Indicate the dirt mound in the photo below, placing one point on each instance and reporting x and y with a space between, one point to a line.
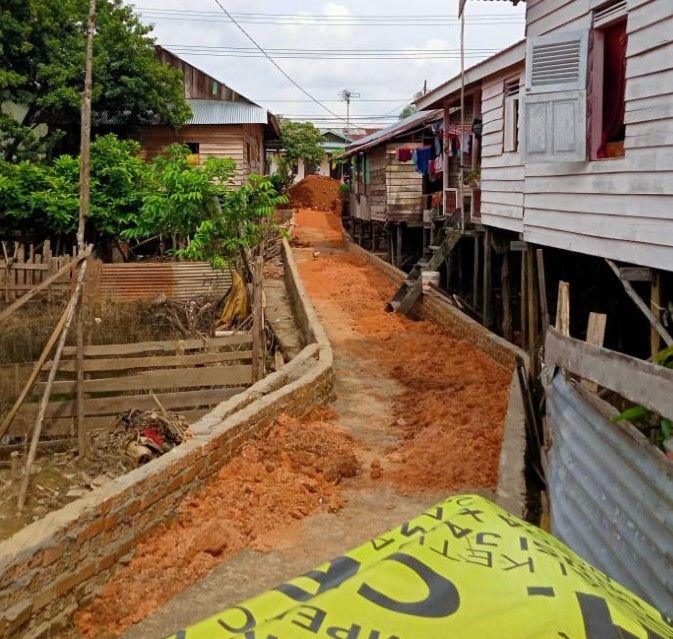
316 192
292 470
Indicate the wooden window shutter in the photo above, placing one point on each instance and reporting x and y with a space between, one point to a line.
554 109
511 116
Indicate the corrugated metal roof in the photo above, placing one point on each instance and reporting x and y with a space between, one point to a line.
222 112
398 128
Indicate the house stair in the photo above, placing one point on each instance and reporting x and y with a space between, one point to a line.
434 255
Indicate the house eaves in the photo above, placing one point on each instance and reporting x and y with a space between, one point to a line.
418 119
516 54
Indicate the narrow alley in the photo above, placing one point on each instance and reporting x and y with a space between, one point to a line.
421 411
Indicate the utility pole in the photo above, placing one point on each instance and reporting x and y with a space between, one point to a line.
84 199
346 95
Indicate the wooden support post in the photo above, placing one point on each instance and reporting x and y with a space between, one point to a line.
542 289
655 307
632 293
506 298
257 321
475 273
563 309
595 337
532 303
523 301
399 246
488 293
70 312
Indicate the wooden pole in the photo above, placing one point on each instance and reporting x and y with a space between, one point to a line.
475 273
524 301
399 246
532 303
70 312
631 292
9 417
506 298
655 307
461 169
487 279
542 287
257 321
84 204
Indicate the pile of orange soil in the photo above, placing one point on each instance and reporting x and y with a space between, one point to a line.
291 471
451 412
315 192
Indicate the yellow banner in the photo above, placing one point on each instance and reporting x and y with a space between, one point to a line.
465 569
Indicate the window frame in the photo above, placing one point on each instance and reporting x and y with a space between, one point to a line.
516 99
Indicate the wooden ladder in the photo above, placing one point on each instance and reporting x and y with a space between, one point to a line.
434 255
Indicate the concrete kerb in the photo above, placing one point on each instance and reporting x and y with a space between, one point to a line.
78 547
511 488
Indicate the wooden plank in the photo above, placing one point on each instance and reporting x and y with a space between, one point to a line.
115 405
563 308
639 381
655 307
636 274
595 336
138 348
154 362
237 375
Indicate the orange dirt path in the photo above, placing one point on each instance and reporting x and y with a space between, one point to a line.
451 411
281 477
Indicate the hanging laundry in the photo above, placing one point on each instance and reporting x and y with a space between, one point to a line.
438 145
423 156
466 142
403 154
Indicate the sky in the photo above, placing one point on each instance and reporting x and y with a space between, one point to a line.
384 85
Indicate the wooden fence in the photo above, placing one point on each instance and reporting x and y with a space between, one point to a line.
187 376
22 268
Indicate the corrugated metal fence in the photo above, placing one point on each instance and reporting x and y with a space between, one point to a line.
611 495
176 280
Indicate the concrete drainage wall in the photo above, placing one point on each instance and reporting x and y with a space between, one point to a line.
511 488
58 564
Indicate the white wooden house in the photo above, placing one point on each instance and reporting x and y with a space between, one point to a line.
577 143
600 70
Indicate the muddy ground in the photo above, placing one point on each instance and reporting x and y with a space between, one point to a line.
418 414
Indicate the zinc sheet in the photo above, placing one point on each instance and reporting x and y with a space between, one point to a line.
176 280
611 495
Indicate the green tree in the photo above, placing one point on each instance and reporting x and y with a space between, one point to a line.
300 140
42 49
178 194
236 224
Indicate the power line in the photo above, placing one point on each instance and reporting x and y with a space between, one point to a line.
425 20
275 64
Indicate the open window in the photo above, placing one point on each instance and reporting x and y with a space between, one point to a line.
554 107
608 81
511 116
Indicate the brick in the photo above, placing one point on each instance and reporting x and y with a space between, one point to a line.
50 555
17 616
44 597
92 529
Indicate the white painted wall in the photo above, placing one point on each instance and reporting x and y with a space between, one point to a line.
502 174
619 208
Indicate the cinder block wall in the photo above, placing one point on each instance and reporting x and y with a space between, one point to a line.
58 564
